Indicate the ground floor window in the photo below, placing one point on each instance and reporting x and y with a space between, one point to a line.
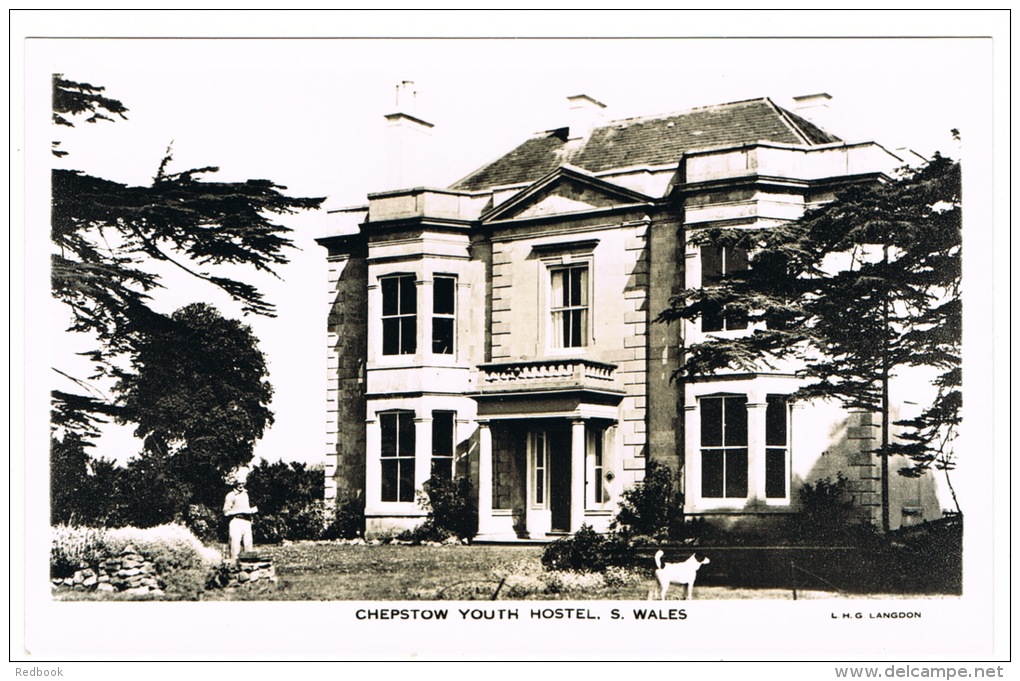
596 470
724 447
443 443
736 463
397 455
776 446
540 470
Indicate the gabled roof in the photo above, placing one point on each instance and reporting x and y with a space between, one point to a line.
653 140
565 189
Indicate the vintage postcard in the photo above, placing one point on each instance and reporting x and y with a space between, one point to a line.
356 342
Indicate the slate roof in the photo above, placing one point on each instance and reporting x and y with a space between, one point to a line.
654 140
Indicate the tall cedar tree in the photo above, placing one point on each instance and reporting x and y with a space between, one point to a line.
104 233
855 291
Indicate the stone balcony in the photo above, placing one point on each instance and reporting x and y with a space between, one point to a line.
548 375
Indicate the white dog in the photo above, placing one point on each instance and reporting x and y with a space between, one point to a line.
677 573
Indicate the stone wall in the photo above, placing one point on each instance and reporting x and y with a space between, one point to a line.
248 570
130 573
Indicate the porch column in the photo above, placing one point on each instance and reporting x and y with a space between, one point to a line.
577 450
484 478
756 450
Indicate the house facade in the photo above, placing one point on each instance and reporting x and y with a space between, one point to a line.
504 329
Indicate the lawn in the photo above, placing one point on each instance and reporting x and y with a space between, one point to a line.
332 571
325 571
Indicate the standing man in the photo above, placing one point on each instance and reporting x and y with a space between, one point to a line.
239 511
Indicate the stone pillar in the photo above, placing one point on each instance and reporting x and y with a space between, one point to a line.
577 451
484 478
756 451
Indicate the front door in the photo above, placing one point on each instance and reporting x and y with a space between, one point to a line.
559 479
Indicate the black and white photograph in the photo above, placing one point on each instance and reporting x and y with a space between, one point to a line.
466 336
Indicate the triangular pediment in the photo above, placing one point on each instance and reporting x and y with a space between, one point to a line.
566 190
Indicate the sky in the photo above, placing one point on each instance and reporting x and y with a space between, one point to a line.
308 114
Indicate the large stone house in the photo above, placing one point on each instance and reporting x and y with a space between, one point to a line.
503 328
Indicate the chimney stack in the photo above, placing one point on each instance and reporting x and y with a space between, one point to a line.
408 149
586 113
814 107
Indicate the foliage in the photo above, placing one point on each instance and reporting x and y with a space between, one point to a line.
854 290
71 99
170 547
828 512
107 235
72 546
83 489
451 508
348 521
152 492
197 388
185 585
651 507
424 533
289 499
206 523
586 551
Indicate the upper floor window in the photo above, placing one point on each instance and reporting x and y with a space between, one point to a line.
444 314
399 315
569 306
716 263
397 455
724 447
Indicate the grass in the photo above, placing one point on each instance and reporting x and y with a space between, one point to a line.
325 571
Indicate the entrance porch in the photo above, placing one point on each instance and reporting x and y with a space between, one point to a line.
547 441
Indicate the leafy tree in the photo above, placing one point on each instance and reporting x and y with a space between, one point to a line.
106 236
197 391
152 493
855 290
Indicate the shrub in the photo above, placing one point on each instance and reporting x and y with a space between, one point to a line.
73 546
207 524
586 551
348 520
186 585
522 579
169 547
651 507
289 499
827 511
450 506
428 531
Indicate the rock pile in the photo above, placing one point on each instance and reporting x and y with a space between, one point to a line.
131 573
249 569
